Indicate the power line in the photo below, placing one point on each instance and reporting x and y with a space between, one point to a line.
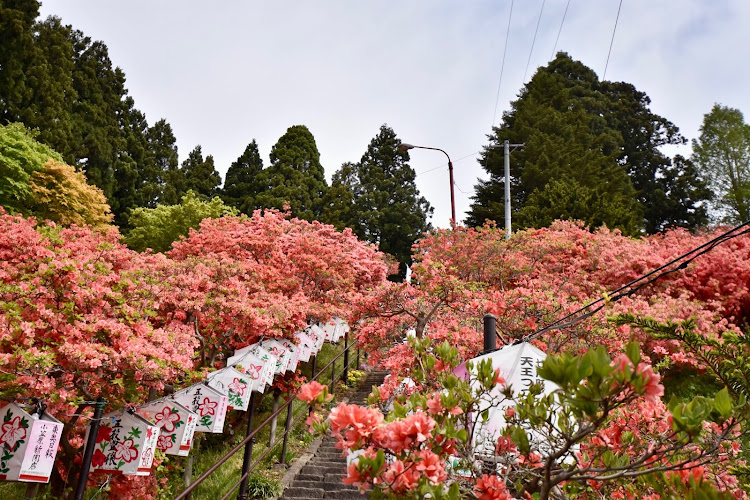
612 41
444 164
502 67
635 285
539 21
560 30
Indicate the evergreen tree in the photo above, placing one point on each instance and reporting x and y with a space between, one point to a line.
591 153
200 175
378 198
723 152
295 176
168 180
56 80
241 183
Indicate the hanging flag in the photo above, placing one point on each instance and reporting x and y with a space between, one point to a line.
210 405
294 351
307 345
252 366
28 443
233 384
175 422
316 333
277 349
518 366
125 444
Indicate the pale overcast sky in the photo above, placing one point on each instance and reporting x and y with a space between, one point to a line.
223 73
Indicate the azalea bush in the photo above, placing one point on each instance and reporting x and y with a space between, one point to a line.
540 275
83 316
604 432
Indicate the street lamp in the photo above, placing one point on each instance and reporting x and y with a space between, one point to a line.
407 147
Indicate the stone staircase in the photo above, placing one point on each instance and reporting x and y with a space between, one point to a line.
318 472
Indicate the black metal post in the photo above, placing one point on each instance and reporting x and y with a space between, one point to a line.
247 458
286 431
490 332
88 453
346 357
312 372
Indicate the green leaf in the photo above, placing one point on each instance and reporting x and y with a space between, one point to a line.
723 403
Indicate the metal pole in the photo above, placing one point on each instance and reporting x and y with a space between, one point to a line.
453 198
490 332
312 371
286 432
346 357
89 451
248 449
506 152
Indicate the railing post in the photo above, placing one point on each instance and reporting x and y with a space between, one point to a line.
89 451
247 458
490 332
286 431
346 357
312 371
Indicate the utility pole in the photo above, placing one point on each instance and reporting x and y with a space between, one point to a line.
506 154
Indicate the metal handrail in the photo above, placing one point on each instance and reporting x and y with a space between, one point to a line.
251 436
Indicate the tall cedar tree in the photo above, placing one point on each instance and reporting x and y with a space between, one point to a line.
60 82
723 152
295 178
591 153
200 176
378 198
241 185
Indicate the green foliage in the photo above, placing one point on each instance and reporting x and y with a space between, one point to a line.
200 176
263 487
241 183
157 228
379 200
727 359
591 153
295 178
723 152
20 156
58 81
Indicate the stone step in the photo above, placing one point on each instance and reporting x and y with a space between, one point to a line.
293 492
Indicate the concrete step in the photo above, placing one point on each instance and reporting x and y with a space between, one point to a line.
293 492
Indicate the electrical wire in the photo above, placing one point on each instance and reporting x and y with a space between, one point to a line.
635 285
502 67
539 21
445 164
560 30
612 41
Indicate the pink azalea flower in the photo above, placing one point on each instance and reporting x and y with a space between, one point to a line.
12 432
653 389
125 451
166 419
491 487
431 466
310 392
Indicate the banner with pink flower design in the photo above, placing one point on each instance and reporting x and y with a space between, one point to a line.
307 346
28 444
254 367
210 405
176 425
294 352
316 333
125 444
234 384
277 349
